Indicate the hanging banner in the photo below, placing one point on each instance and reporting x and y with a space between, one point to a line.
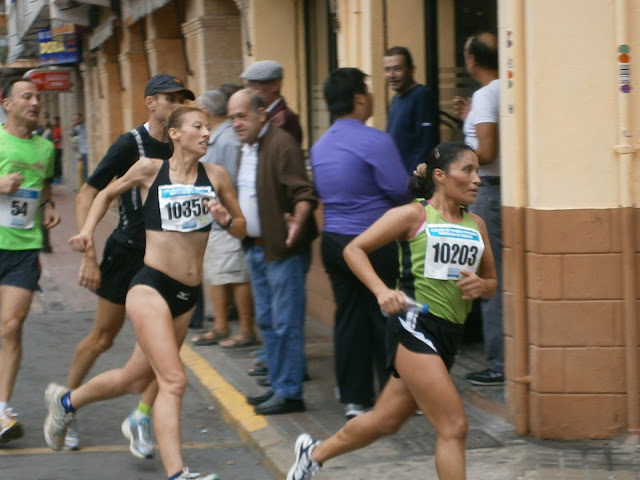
58 49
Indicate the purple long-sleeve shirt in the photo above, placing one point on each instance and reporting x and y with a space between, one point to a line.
359 174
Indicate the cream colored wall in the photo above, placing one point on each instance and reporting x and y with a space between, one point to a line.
569 74
361 44
276 33
405 27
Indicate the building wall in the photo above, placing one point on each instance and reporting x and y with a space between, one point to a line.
570 229
201 45
282 21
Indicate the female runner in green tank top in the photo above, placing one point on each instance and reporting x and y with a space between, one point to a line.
445 262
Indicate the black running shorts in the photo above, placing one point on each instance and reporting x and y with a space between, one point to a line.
120 264
429 334
20 268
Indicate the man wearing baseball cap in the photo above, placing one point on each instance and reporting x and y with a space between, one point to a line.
165 83
265 78
124 250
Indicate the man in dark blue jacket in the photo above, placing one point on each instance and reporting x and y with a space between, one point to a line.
413 114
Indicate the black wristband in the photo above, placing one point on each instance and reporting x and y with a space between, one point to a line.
48 200
228 224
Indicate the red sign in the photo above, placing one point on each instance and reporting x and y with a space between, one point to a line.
51 80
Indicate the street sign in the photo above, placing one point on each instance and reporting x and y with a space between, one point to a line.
50 80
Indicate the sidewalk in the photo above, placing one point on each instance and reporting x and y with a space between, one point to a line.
493 450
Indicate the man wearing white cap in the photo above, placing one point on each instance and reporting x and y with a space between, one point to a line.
265 79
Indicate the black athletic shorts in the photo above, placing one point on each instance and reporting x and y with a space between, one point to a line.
428 334
20 268
180 297
120 263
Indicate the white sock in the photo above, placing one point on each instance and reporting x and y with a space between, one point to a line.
3 406
138 415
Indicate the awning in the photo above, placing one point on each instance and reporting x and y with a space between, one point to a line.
100 3
25 19
134 10
67 11
101 33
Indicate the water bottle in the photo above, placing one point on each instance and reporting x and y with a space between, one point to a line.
416 308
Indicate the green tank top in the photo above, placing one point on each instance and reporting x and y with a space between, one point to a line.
431 261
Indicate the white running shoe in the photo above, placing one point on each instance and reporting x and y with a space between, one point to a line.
138 432
57 421
10 426
352 410
304 467
187 475
71 439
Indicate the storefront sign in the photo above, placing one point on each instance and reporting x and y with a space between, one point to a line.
58 49
50 80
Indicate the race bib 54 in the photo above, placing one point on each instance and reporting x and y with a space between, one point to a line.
18 209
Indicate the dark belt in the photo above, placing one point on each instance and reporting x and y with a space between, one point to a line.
248 242
490 181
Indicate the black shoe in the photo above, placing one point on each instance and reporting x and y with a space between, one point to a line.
263 381
258 371
260 398
277 405
486 377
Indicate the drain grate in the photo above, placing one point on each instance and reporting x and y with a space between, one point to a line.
425 443
477 438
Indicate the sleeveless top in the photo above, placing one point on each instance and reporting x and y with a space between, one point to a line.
179 207
431 261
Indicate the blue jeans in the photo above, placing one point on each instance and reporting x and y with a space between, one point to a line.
280 303
488 206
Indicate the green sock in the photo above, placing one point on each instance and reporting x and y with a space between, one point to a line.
143 410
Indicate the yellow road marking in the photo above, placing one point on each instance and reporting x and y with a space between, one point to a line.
113 448
231 399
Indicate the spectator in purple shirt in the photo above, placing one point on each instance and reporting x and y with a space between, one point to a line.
359 174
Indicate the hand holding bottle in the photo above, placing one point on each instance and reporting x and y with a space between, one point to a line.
395 301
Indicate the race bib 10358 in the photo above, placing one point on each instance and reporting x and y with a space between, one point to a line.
182 208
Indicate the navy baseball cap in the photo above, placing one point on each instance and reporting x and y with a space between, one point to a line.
165 83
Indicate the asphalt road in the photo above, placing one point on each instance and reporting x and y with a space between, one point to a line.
209 444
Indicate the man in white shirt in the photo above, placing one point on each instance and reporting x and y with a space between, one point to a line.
481 133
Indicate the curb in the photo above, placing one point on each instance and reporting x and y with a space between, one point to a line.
253 429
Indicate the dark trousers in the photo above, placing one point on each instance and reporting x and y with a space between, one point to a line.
359 331
57 166
198 314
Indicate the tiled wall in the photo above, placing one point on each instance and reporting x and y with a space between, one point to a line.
575 324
